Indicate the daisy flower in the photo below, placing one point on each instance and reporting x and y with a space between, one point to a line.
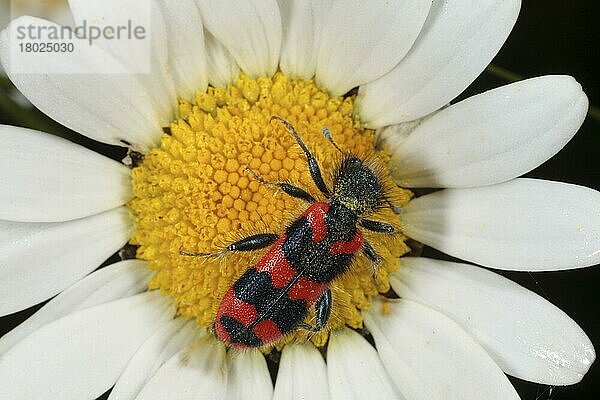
380 76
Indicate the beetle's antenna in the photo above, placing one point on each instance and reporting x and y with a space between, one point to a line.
294 133
313 166
327 134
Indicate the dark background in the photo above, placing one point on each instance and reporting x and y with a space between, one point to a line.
550 37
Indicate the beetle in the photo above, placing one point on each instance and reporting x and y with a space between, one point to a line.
273 297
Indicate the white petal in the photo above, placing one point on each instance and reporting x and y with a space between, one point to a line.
458 40
54 11
81 355
248 376
222 68
302 374
39 260
363 40
526 335
524 224
430 357
158 79
302 23
160 347
44 178
355 370
111 108
187 54
489 138
195 373
249 29
119 280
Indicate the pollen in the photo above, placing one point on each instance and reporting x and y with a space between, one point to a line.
194 194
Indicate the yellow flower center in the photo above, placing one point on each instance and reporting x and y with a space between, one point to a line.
193 193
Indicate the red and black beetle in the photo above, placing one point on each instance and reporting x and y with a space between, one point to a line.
274 296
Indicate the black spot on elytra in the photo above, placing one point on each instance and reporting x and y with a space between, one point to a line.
239 333
256 288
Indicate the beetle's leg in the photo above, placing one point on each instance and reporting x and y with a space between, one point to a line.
287 188
396 209
313 166
322 312
372 255
377 226
250 243
323 309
